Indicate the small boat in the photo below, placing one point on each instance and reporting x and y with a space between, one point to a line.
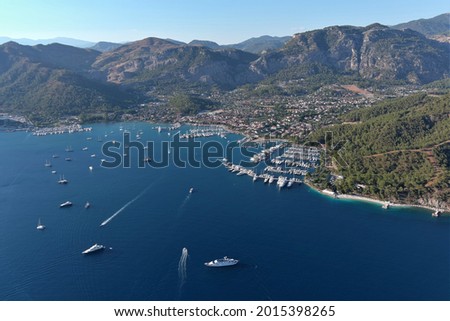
87 205
68 159
191 190
290 183
222 262
94 248
84 149
93 155
48 164
69 149
62 180
436 213
281 181
66 204
40 226
55 156
53 172
91 168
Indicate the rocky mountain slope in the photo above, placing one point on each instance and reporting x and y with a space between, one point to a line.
153 62
439 25
374 52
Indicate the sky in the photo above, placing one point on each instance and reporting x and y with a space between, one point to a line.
224 22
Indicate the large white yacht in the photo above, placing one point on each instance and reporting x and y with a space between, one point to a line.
222 262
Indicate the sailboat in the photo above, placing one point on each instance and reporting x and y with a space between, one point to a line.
62 180
40 226
47 164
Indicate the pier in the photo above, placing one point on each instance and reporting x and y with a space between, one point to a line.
290 167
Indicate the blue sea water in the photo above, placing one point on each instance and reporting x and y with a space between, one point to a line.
292 244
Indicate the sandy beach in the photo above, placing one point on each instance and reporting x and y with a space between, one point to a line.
368 199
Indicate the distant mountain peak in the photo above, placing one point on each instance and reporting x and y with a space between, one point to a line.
376 25
261 44
153 42
439 25
204 43
104 46
62 40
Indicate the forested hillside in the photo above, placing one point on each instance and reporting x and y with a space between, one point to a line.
396 150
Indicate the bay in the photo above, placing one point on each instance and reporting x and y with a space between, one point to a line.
292 244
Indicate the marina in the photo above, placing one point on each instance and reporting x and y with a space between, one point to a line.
205 131
289 168
65 129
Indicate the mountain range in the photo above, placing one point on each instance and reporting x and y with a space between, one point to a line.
62 40
49 81
439 25
253 45
433 28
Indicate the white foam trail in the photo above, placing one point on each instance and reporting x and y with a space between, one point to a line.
182 267
124 207
185 201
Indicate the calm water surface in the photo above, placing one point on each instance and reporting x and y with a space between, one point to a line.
292 244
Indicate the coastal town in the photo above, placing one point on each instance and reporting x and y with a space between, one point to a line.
290 117
279 116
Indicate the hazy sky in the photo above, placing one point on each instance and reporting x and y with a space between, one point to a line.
217 20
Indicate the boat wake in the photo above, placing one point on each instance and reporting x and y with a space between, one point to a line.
125 206
182 267
183 204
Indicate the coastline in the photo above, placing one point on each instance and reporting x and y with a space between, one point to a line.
342 196
224 127
310 185
370 200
